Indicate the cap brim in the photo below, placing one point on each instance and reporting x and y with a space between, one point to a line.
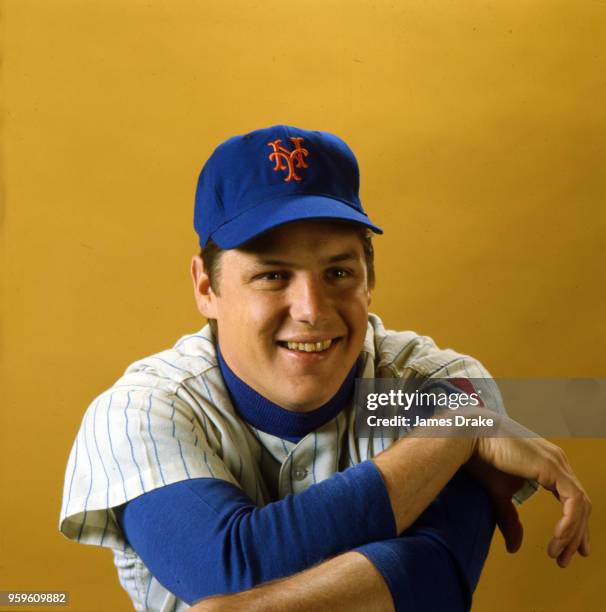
274 213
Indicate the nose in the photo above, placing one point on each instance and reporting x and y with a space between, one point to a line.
309 300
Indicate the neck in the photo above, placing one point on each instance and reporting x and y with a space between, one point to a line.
276 420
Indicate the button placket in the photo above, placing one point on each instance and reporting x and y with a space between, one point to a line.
296 469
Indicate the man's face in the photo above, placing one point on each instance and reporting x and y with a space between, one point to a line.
305 290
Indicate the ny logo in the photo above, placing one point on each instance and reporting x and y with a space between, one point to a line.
288 160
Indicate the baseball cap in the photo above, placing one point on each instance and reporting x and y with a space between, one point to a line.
269 177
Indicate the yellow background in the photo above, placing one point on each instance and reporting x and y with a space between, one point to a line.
480 130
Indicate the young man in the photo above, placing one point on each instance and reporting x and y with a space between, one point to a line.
233 459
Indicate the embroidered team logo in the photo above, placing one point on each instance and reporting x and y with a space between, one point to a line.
288 160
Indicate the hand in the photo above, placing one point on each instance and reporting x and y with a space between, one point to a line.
501 487
538 459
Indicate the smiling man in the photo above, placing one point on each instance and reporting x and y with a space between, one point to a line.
293 311
229 471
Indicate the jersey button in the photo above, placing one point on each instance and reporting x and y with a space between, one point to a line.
299 473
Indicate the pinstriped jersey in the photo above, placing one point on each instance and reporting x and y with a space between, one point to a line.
170 418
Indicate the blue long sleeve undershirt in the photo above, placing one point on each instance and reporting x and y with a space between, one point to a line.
220 542
436 564
205 536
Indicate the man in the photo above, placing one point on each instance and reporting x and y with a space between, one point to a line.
233 459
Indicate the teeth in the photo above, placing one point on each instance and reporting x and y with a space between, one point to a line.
309 347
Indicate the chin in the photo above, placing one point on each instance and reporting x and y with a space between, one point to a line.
307 402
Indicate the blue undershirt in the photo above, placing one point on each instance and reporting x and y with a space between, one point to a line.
220 542
275 420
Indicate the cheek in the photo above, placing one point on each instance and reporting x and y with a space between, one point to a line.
357 313
260 316
358 300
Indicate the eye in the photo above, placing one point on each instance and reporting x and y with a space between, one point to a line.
273 276
339 273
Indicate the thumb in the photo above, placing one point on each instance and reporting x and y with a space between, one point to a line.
509 523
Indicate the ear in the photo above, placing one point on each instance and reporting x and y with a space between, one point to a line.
203 293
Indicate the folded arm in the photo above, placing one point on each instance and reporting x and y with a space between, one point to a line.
435 565
206 551
413 472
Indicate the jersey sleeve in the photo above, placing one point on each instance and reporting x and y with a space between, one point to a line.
132 439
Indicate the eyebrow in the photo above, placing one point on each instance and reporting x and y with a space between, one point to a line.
346 256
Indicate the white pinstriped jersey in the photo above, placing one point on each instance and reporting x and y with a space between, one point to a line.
170 418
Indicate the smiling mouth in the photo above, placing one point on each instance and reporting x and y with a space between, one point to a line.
309 347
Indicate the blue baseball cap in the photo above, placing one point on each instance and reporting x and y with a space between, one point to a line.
258 181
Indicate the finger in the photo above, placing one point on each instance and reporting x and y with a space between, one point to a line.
509 524
573 512
566 531
555 547
571 543
565 557
585 548
564 553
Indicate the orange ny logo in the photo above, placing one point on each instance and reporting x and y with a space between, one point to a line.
288 160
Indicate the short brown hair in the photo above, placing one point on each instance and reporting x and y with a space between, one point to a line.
211 256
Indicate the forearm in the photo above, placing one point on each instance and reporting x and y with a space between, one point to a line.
415 470
205 536
346 583
435 565
220 542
